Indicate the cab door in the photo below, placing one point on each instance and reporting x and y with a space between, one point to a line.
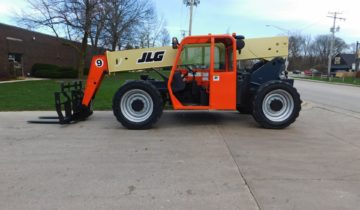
222 74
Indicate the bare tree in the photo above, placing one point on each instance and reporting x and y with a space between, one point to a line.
296 50
70 18
321 47
154 33
165 37
306 45
98 25
296 45
79 14
123 16
41 13
305 52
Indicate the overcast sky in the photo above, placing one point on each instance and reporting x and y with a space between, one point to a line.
246 17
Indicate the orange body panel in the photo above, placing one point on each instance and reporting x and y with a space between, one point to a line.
223 91
176 103
98 67
221 84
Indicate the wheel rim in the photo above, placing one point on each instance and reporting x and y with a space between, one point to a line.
278 105
136 105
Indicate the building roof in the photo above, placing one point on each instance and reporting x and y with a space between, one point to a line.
348 58
30 34
22 30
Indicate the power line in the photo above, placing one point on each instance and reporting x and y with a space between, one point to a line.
309 25
333 29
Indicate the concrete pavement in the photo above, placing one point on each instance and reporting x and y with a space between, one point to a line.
190 160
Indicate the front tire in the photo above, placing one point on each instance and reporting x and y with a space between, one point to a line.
244 109
137 105
276 105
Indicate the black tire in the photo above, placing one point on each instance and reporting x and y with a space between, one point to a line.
284 105
148 100
244 109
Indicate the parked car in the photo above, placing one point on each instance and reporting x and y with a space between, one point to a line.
312 72
296 72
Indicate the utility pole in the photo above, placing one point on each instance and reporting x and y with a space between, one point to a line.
191 4
333 30
357 57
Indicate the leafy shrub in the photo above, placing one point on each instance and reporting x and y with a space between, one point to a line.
53 71
86 71
41 66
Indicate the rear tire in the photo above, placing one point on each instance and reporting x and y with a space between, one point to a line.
276 105
137 105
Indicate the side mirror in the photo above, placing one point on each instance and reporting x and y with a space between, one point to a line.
175 43
240 44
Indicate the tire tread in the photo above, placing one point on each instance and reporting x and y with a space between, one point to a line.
152 91
257 103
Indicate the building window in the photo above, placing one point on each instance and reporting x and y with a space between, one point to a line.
15 64
337 60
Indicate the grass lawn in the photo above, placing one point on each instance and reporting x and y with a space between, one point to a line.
39 95
345 80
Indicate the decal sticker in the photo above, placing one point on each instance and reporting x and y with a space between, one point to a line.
216 78
149 57
99 63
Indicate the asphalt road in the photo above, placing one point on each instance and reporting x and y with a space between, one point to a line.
189 160
337 96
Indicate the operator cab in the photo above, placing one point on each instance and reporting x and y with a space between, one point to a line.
191 79
204 76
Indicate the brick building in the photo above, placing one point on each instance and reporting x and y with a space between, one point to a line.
20 49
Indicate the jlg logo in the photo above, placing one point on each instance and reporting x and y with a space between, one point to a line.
148 57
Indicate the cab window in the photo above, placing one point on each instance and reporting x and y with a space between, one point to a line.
223 56
197 55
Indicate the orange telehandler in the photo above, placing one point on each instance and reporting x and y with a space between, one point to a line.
206 74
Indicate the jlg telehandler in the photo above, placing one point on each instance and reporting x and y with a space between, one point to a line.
205 75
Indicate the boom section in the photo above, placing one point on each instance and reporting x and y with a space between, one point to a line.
137 59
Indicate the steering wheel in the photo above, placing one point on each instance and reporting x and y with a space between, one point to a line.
189 69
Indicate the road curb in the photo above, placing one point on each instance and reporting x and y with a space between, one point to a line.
330 83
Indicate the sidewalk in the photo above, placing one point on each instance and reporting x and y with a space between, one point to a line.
24 80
